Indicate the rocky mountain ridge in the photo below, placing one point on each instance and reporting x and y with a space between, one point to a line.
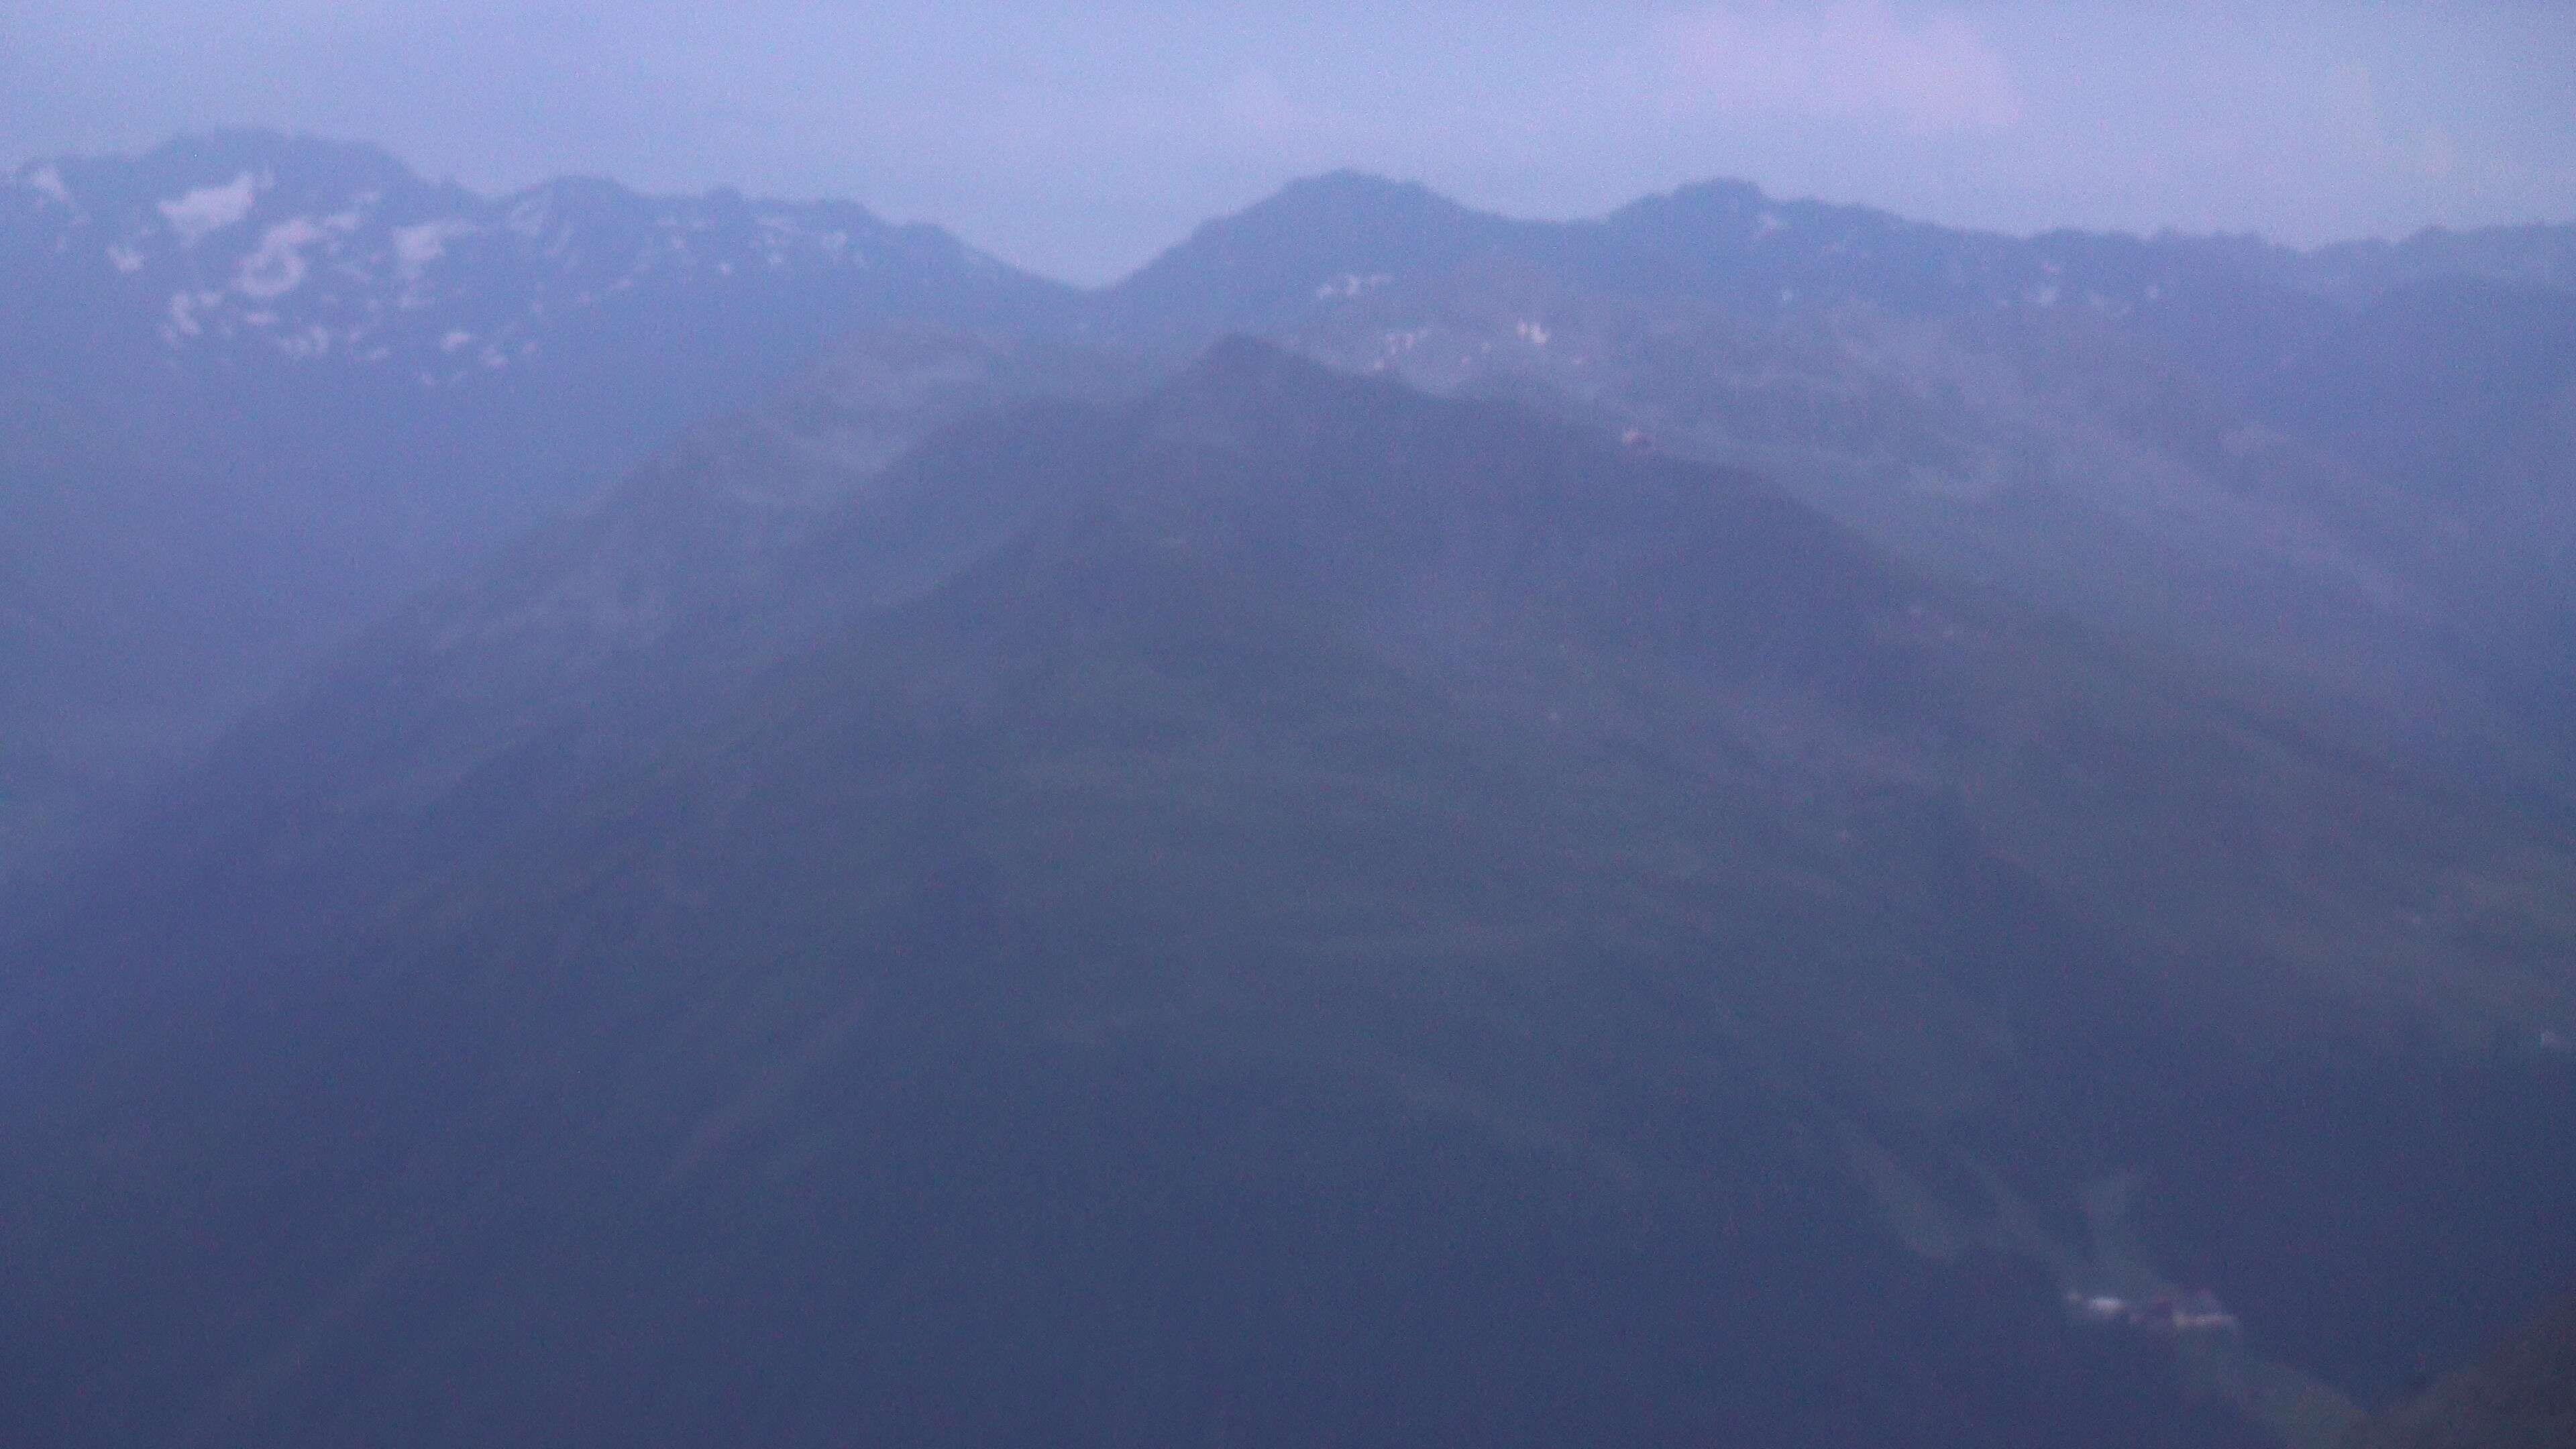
2349 495
254 390
1340 856
243 246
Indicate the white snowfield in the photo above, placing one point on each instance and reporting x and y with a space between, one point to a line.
2195 1311
198 214
46 180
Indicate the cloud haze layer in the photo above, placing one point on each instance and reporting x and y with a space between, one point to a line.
1847 62
1079 143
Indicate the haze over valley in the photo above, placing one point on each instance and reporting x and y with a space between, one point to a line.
709 820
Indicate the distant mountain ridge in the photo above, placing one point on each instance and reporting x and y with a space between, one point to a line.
2537 254
2166 436
1348 231
255 388
312 249
236 245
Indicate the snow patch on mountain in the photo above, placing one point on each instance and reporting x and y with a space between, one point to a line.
1349 284
277 266
198 214
529 217
310 342
415 247
183 320
46 180
777 235
276 254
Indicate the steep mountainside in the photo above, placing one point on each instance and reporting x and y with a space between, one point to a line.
1284 911
253 390
252 248
2164 436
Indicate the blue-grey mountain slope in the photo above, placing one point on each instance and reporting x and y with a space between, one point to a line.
2160 435
1284 910
255 389
1853 780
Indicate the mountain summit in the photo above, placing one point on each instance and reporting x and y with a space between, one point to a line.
705 820
260 247
255 388
1282 908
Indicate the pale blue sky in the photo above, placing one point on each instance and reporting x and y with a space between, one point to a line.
1079 142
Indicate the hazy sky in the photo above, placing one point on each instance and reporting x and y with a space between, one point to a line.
1079 142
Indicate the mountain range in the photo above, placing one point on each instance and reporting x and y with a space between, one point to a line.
254 390
262 387
2223 448
1676 829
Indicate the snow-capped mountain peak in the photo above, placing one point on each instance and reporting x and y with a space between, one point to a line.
247 245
